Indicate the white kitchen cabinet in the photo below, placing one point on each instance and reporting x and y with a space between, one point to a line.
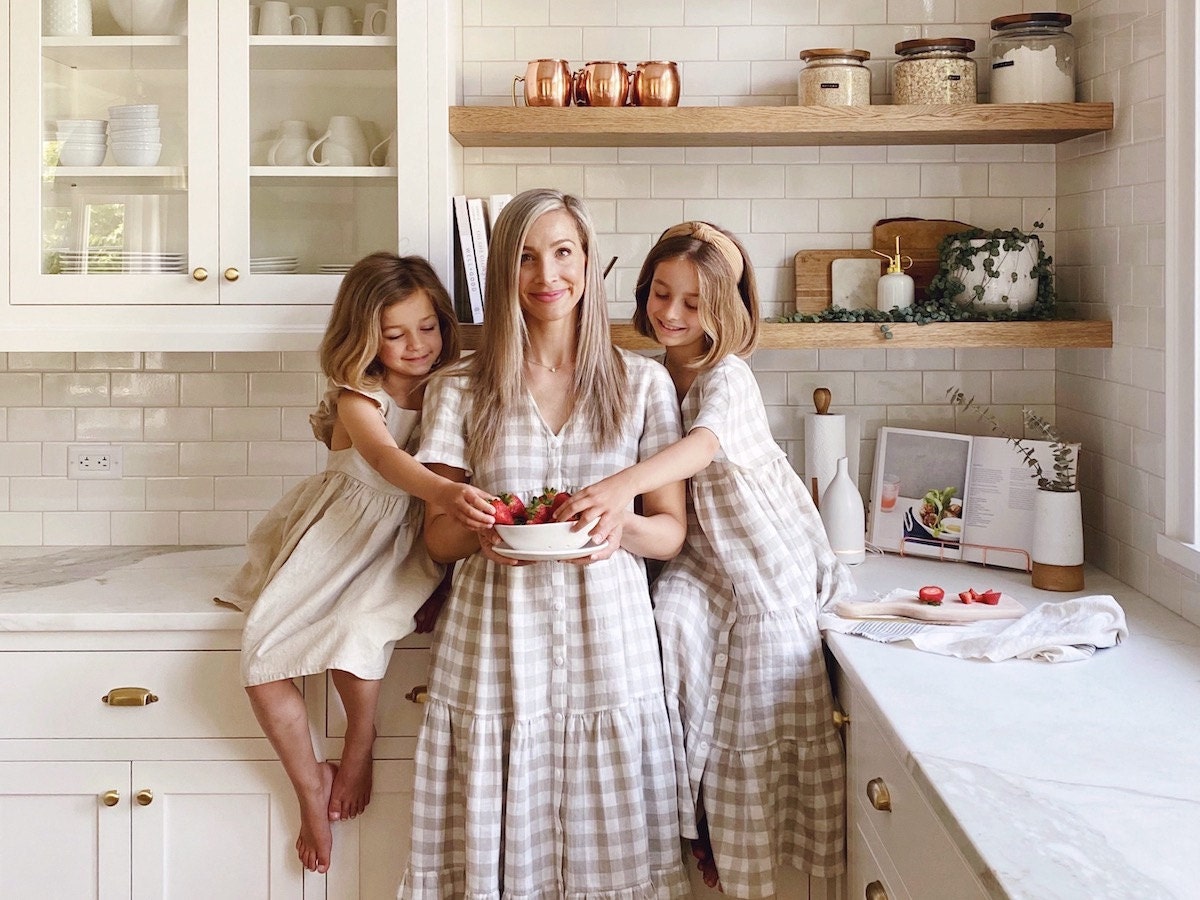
897 849
159 256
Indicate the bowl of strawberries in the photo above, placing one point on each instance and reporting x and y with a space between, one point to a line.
530 526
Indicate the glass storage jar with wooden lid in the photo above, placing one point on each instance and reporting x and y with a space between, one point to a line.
834 77
1033 59
934 70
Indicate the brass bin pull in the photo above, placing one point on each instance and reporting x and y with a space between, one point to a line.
110 798
231 274
419 694
144 797
200 273
879 795
875 891
129 696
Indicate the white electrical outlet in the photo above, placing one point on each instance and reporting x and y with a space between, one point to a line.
94 461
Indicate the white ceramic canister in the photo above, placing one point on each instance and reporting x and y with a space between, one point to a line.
844 516
1057 546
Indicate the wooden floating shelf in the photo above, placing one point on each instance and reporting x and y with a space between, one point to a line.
730 126
905 336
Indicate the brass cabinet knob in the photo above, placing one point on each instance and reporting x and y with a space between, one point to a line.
419 694
200 273
110 798
839 718
875 891
231 274
879 795
129 696
144 797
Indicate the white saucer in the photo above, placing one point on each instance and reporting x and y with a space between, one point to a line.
536 555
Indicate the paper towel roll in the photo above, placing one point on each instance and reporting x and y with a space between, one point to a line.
824 445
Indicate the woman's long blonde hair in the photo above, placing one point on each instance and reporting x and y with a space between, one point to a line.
496 369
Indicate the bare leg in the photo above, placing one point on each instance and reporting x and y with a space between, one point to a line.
352 787
279 707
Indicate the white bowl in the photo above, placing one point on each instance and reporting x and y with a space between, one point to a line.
133 110
135 135
80 155
136 154
148 16
80 140
82 126
549 536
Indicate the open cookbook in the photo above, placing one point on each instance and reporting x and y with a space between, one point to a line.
954 496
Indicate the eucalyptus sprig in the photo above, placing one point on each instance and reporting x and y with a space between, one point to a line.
1064 475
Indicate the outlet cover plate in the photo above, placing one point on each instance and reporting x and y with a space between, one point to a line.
94 461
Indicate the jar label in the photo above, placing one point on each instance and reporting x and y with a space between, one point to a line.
830 85
1004 64
954 78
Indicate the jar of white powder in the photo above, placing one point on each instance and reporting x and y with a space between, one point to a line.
833 77
1033 59
934 70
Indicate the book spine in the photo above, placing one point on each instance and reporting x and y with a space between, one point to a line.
467 258
479 238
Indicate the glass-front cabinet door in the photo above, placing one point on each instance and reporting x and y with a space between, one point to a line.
169 153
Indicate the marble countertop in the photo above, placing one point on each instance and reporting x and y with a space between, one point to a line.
1056 780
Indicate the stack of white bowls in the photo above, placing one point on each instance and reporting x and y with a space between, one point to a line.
81 141
134 134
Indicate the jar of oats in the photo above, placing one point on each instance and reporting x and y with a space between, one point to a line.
833 77
934 70
1033 59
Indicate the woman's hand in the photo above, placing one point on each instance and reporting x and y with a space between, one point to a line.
614 544
607 501
488 539
467 505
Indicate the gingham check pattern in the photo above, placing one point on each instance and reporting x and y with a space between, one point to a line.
544 765
747 688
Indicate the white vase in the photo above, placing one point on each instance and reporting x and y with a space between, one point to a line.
844 516
1057 548
1013 289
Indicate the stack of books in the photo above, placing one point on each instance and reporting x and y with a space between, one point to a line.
473 217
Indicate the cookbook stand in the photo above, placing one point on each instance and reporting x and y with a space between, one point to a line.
983 549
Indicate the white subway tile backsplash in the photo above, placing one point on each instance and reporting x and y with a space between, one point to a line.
686 43
20 388
216 389
285 389
177 424
124 493
696 181
201 528
252 492
718 12
41 362
620 43
108 425
145 529
282 458
179 493
108 362
213 458
41 494
144 389
556 42
76 389
74 529
513 12
43 423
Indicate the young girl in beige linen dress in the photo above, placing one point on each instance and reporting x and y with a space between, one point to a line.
544 767
747 688
337 569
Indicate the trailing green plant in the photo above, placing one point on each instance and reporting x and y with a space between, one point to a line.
1064 475
956 253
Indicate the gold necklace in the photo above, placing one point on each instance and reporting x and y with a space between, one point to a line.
550 369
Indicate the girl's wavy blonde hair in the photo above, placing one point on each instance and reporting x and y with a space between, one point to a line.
350 348
496 371
728 310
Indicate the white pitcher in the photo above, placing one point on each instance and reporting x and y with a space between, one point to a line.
342 144
389 158
290 147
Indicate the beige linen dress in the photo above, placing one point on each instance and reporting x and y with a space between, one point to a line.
747 688
336 569
544 767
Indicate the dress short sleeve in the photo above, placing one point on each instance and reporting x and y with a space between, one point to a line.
661 425
444 417
717 390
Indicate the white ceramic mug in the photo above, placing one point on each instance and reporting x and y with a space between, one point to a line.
275 17
66 18
390 157
290 147
375 20
311 23
342 144
338 20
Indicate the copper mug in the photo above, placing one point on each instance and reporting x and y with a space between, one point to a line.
602 83
655 83
548 82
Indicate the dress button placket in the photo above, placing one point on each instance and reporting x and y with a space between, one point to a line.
720 666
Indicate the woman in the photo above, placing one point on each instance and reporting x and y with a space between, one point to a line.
544 765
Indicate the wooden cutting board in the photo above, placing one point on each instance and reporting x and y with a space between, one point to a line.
952 610
814 276
919 239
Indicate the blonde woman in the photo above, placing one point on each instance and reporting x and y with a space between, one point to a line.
544 765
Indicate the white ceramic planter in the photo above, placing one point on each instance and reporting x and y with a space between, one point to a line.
1057 549
1003 292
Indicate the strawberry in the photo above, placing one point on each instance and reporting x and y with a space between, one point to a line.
541 508
559 499
990 597
509 509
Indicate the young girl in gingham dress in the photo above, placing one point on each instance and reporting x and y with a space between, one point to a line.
544 767
747 689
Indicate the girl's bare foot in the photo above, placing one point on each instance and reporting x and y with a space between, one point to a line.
315 843
352 787
702 851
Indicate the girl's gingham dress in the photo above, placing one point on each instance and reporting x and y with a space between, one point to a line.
747 689
544 768
336 569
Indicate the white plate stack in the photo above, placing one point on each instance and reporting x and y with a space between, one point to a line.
124 262
334 268
81 142
273 265
134 134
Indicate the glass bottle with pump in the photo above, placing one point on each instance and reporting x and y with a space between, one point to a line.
895 288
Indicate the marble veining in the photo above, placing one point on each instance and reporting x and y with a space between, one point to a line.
75 564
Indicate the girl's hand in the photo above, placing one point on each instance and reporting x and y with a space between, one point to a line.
607 500
614 544
467 505
488 539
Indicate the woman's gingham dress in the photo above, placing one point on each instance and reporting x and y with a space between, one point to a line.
544 768
746 683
